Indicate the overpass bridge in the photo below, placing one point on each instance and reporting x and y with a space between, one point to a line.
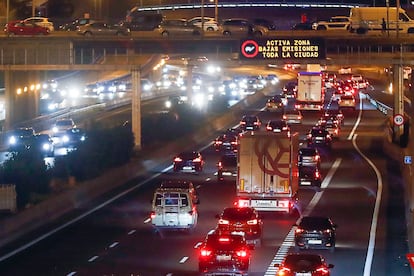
24 59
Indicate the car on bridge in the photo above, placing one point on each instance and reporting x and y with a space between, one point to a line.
210 24
102 29
334 23
242 27
178 27
40 21
22 28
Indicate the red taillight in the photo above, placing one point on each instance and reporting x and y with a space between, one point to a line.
317 175
327 231
269 128
283 271
219 164
242 123
299 230
242 253
322 271
152 215
178 159
219 142
197 159
284 117
252 222
205 252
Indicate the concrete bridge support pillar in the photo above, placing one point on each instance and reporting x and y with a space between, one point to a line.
398 92
21 97
136 106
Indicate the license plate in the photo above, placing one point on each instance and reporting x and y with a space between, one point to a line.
319 138
303 274
263 203
315 242
305 183
223 258
187 168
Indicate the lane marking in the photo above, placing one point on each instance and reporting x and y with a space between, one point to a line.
93 259
114 245
72 273
132 232
374 222
183 260
351 134
289 240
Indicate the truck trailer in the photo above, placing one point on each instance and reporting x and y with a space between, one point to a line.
370 19
311 90
267 177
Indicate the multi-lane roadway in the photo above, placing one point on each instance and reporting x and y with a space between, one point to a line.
362 193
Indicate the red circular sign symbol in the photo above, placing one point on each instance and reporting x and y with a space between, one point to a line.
398 119
250 48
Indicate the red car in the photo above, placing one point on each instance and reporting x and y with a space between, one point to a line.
22 28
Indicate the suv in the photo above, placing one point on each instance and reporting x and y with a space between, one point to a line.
226 142
310 176
334 23
250 122
315 232
224 252
242 27
319 136
174 207
242 219
19 138
309 157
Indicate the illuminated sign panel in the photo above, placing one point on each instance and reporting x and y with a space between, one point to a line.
283 48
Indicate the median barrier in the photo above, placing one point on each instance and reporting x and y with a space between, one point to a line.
30 219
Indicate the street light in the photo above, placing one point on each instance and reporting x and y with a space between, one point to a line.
215 9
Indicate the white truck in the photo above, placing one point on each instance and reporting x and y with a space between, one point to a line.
267 176
370 19
311 91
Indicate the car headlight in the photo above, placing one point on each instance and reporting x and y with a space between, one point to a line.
46 146
12 140
55 129
65 139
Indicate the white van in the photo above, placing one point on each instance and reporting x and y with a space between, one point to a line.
364 19
174 207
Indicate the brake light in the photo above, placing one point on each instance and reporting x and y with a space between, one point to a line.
252 222
256 123
317 175
219 164
283 271
178 159
322 271
327 231
269 128
197 159
224 239
223 221
242 123
300 117
242 253
284 117
219 142
152 215
205 252
299 230
317 157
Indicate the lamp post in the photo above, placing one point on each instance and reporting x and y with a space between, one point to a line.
215 9
7 10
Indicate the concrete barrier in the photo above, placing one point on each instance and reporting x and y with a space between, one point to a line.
14 227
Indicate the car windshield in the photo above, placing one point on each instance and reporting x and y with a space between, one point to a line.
307 152
188 155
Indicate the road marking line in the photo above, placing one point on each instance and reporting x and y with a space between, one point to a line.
374 222
147 220
93 259
351 134
72 273
114 245
183 260
289 239
132 232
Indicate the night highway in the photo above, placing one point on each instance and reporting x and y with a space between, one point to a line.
361 190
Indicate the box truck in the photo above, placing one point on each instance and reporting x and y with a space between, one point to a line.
267 177
311 90
370 19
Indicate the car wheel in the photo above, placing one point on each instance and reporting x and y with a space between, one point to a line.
321 28
196 33
227 33
165 34
87 34
210 29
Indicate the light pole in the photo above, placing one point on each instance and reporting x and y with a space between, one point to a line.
7 10
215 9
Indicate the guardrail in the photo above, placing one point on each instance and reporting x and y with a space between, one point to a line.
383 108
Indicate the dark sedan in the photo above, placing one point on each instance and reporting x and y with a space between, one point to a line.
188 161
304 264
